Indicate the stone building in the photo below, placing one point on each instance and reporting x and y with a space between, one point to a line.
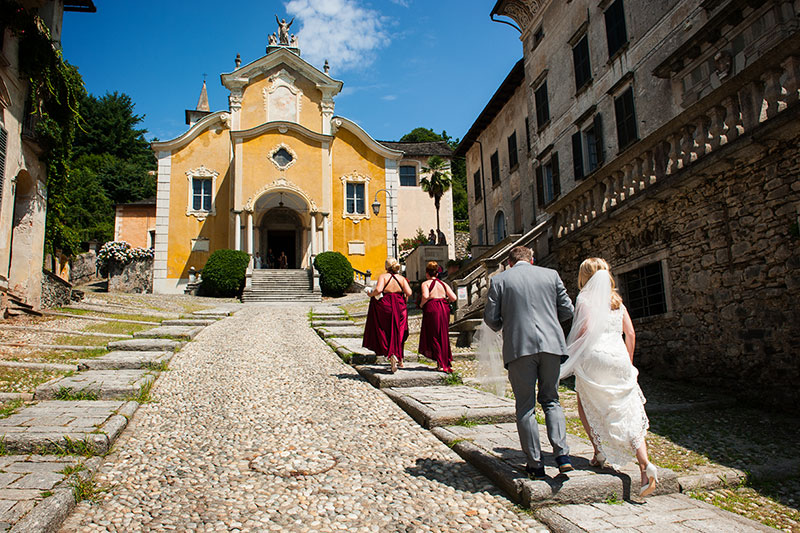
23 176
278 171
664 139
135 223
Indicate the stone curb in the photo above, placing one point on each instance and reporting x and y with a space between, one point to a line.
47 391
428 418
38 366
185 333
711 480
555 522
66 347
189 322
146 345
26 396
101 319
50 513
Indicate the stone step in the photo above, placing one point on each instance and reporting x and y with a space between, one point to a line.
350 349
443 405
413 375
276 298
189 322
120 360
173 332
673 512
44 427
340 331
331 323
327 310
145 345
215 312
324 317
495 451
106 384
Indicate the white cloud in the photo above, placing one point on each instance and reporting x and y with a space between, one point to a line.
389 97
404 3
345 33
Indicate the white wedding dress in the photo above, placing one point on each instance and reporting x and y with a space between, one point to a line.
606 381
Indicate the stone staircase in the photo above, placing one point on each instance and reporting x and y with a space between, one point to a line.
275 285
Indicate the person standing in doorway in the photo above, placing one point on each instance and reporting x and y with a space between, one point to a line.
283 261
270 259
528 303
257 261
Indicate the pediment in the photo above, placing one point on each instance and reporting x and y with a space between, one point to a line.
247 74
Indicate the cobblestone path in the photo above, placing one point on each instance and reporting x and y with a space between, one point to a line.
259 427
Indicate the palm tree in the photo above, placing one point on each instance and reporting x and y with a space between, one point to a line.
437 182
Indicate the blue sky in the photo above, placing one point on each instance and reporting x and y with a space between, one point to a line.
404 63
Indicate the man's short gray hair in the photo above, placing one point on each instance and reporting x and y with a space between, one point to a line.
520 253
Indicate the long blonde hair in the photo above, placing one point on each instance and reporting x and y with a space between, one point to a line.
587 270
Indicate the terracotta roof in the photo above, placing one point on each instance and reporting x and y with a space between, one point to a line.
497 102
440 148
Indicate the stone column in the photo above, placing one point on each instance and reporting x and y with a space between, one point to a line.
237 230
250 232
325 233
313 236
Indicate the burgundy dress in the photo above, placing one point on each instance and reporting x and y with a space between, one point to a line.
434 338
386 329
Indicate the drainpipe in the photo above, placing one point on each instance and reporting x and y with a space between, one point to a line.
484 191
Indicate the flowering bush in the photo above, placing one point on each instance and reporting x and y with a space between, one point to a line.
122 252
409 245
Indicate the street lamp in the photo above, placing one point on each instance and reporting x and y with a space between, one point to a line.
376 208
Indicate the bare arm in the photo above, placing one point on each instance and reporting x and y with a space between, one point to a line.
426 293
406 288
378 286
630 334
451 296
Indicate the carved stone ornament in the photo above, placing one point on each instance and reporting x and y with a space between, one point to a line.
282 99
335 125
225 119
235 99
522 11
278 156
281 185
723 62
202 172
355 177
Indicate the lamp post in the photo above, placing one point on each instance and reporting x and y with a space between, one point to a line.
376 208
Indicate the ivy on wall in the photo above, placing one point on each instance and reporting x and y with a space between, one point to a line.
56 88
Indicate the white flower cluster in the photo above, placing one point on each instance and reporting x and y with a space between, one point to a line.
122 252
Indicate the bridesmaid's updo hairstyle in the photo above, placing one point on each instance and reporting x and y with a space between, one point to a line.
587 270
432 268
392 266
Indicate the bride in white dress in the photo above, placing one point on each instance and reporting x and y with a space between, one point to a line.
610 402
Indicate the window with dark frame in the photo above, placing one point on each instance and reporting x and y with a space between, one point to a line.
355 199
538 36
587 148
201 194
516 209
644 292
548 181
542 106
626 119
616 33
528 133
408 176
513 158
580 59
494 162
476 185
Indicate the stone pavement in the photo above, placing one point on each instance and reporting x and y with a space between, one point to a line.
662 514
258 426
125 360
441 405
105 384
411 375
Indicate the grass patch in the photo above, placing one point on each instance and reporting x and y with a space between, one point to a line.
161 366
9 408
575 427
79 340
346 357
143 395
46 493
25 379
68 394
466 422
614 499
454 442
71 469
453 378
86 488
69 447
110 314
120 328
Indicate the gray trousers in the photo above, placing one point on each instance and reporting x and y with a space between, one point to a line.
523 373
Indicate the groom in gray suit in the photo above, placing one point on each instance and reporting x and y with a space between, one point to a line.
527 302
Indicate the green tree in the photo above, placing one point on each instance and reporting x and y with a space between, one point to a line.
437 182
421 135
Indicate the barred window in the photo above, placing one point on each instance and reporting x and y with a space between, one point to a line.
644 292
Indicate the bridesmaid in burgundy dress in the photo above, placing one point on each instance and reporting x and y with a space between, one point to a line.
434 338
386 330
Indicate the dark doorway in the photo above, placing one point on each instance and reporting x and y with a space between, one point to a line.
283 241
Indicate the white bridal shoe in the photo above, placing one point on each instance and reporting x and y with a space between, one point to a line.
652 480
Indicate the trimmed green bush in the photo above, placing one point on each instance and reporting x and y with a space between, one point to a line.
224 273
335 273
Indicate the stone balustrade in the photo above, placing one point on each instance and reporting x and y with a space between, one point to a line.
736 108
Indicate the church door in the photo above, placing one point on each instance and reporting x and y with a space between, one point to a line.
283 241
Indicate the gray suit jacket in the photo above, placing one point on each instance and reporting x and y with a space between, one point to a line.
527 302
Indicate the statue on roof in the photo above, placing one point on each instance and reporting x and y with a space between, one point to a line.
283 30
273 39
293 41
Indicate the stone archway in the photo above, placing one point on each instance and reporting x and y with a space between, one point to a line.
281 230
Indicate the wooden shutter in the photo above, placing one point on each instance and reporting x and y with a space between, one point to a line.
577 155
540 185
598 139
556 176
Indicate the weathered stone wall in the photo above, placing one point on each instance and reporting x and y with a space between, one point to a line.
55 291
83 268
730 245
136 276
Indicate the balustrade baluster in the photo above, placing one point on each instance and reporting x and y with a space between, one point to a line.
772 93
674 157
792 66
609 193
587 207
732 119
701 144
717 127
619 186
627 180
598 190
751 99
687 145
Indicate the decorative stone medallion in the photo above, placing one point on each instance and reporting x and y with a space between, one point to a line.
294 463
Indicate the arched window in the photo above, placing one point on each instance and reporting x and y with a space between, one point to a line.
499 227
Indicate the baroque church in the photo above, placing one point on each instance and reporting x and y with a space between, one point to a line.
279 172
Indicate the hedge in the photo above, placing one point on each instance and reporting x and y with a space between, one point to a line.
224 273
335 273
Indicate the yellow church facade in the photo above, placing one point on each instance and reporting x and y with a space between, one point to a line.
278 172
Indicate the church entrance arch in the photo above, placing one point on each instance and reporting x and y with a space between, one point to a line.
281 233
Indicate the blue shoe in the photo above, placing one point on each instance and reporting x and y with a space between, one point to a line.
563 463
535 472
